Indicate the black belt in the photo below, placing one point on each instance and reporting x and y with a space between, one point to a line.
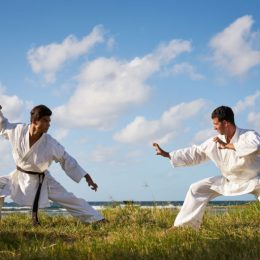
37 195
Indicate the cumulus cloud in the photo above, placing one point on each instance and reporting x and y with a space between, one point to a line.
50 58
107 87
60 133
11 105
6 161
236 48
11 108
187 69
135 156
103 154
254 120
247 102
203 135
141 130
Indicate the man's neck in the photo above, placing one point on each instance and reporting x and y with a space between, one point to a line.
34 135
230 133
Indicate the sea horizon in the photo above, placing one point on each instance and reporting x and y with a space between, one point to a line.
55 209
140 202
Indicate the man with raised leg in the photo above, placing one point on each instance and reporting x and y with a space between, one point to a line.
235 151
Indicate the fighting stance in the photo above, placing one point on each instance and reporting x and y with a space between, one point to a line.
235 151
31 183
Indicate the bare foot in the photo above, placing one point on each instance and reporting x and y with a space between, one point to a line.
168 231
101 221
36 223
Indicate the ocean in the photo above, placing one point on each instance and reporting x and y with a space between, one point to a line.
55 209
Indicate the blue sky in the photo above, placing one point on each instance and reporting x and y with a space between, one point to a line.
119 75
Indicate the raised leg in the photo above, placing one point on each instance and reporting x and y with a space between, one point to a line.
77 207
194 205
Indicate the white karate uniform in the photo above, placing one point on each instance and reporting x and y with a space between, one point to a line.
22 187
240 170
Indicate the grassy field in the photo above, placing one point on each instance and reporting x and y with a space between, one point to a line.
134 233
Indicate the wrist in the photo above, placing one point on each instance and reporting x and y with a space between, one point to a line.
87 177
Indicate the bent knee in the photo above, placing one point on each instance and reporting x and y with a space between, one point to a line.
199 188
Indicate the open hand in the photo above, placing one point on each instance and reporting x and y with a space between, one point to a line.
160 151
157 148
222 145
93 185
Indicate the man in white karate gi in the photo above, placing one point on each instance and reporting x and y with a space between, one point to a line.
235 151
31 183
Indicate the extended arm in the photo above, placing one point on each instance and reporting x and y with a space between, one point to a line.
3 121
71 166
184 157
5 126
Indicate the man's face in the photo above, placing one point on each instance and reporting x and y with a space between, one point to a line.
220 126
42 125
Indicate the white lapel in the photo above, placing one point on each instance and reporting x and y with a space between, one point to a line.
27 150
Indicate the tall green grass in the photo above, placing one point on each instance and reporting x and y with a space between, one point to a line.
133 233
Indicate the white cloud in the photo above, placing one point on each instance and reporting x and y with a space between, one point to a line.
248 101
60 133
254 120
11 108
107 87
134 156
203 135
236 48
111 43
186 68
11 105
168 52
162 130
49 59
6 160
103 154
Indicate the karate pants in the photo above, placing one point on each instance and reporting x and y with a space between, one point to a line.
77 207
198 195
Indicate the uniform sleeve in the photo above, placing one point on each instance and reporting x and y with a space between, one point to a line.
68 163
188 156
247 144
5 126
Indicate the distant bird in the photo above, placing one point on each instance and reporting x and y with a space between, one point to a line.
146 185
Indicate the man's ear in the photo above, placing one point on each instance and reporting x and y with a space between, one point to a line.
226 123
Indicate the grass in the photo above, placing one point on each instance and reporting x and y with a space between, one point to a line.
133 233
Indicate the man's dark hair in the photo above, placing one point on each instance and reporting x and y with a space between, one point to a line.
40 111
223 113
